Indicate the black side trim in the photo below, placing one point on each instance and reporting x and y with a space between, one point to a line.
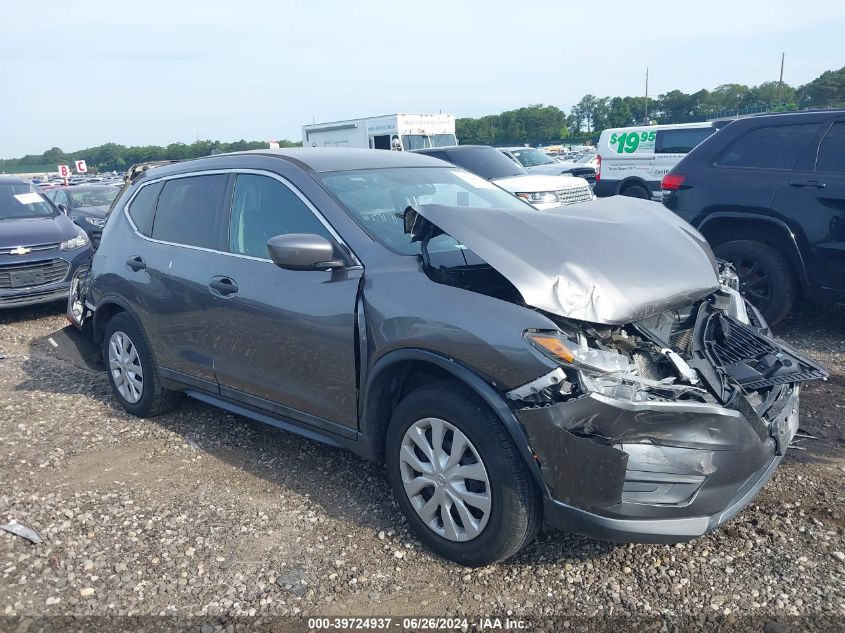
177 381
288 413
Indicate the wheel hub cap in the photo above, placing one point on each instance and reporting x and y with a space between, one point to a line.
125 367
445 479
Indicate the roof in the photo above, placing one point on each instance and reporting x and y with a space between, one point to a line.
450 148
12 180
318 159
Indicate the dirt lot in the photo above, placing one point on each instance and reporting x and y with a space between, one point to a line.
203 513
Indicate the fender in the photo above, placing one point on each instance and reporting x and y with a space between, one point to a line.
469 378
105 300
783 226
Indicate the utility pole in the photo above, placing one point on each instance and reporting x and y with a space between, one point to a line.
646 96
780 81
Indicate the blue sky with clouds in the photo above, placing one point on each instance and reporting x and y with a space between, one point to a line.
77 74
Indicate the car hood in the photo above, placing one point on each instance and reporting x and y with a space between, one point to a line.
550 169
531 184
35 231
614 261
93 211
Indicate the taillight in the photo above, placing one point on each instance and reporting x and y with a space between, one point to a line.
598 168
672 182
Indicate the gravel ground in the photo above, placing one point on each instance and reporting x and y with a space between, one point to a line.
202 513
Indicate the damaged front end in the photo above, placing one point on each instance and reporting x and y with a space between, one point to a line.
661 429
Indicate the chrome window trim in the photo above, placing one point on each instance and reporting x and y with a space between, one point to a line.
258 172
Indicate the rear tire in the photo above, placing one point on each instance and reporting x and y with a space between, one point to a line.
132 370
636 191
765 277
491 474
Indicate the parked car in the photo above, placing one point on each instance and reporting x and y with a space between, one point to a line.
583 166
86 205
632 160
588 365
40 248
768 192
534 161
543 192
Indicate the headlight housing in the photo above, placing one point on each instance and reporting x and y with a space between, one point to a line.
539 197
98 222
75 243
559 348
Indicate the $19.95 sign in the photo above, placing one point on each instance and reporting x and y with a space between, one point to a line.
630 142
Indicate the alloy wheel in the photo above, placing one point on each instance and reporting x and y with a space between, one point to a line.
125 367
445 479
754 282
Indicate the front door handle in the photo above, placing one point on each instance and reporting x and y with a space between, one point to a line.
807 184
136 263
223 286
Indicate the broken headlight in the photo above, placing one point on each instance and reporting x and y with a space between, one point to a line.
559 348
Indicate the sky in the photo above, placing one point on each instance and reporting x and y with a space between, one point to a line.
76 74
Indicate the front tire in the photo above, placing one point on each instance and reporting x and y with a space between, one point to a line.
636 191
765 277
132 370
459 478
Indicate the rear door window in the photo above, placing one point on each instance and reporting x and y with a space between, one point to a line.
831 158
773 147
143 206
189 210
680 141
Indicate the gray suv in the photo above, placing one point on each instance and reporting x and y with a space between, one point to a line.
591 366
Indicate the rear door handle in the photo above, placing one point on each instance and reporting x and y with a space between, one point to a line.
807 184
223 286
136 263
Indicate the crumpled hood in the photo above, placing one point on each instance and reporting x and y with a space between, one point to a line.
613 260
35 231
534 183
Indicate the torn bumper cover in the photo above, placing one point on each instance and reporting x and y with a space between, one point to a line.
653 472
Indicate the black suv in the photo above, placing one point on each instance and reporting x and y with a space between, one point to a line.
768 193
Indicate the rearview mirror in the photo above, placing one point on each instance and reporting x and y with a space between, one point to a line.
62 208
303 251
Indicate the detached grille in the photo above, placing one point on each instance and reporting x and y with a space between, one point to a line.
756 361
574 194
51 271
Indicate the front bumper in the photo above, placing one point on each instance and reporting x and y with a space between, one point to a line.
55 290
653 472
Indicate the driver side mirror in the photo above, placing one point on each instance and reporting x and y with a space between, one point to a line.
303 251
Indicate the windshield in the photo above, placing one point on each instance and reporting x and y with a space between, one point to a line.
377 198
586 158
23 201
485 161
423 141
531 157
91 196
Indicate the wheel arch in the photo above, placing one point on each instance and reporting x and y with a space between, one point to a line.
105 310
727 227
401 371
633 181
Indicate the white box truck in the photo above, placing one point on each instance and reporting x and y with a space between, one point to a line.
390 131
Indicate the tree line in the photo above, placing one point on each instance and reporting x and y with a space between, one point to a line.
535 124
542 124
112 156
